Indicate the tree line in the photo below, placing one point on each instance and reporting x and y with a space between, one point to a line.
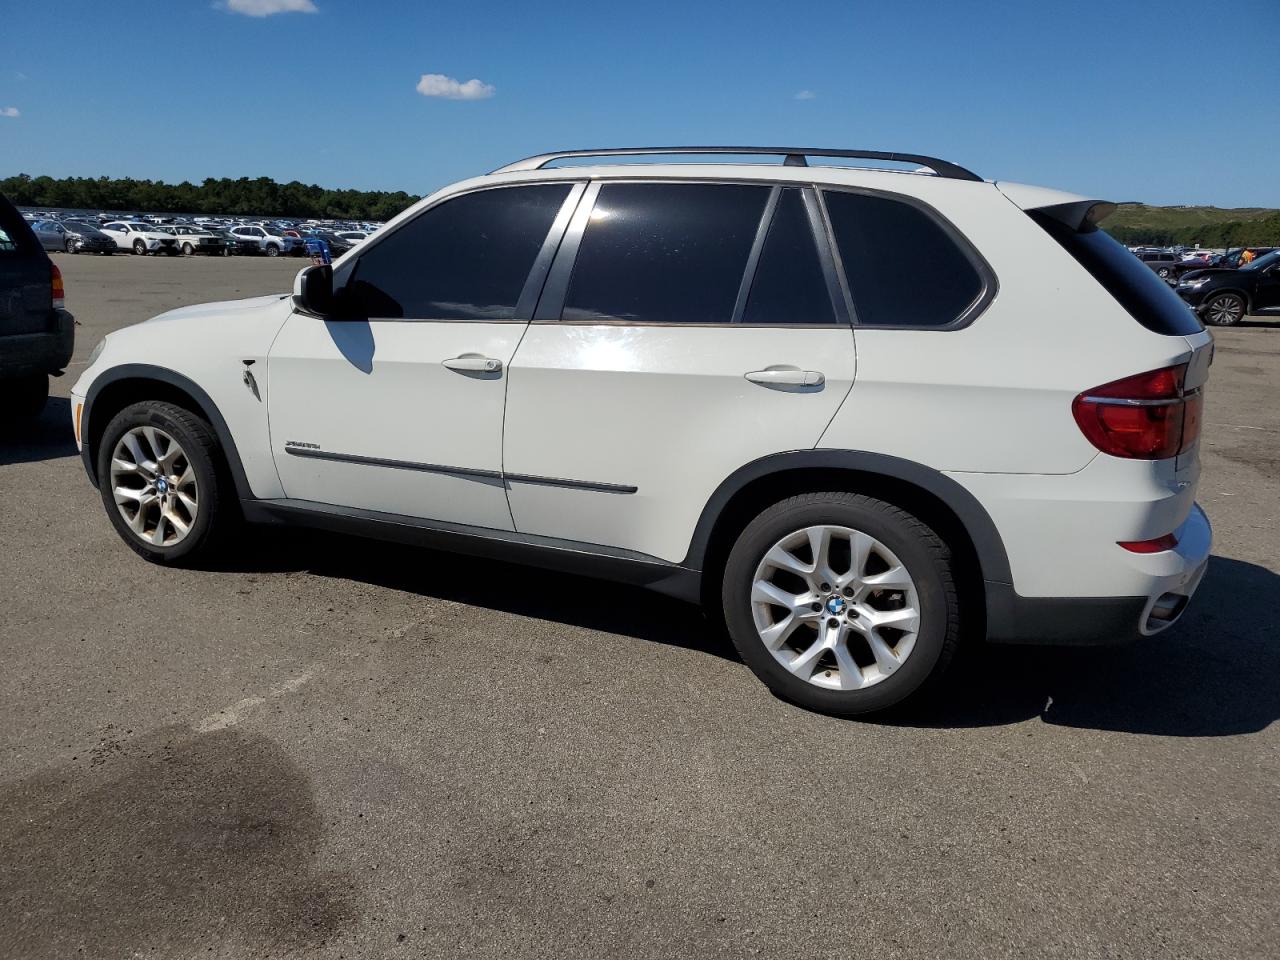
1264 232
260 196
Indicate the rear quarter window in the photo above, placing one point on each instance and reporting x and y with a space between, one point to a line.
904 268
1133 284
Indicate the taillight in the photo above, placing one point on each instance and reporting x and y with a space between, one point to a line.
1148 416
59 295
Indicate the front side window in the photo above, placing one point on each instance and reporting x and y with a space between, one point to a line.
902 266
664 252
789 286
465 259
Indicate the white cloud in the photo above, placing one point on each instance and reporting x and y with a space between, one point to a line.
806 95
10 112
438 85
265 8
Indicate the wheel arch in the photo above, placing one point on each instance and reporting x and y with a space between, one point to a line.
115 389
940 502
1238 291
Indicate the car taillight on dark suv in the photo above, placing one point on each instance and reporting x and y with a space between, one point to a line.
1149 416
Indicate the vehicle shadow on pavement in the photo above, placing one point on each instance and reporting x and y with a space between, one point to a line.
47 437
1215 673
521 590
172 842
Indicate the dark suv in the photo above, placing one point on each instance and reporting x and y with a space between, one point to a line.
1161 261
37 335
1224 297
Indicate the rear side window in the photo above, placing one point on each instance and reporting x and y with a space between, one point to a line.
903 267
789 285
465 259
664 252
1135 286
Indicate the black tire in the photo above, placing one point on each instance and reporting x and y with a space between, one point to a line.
1224 310
106 253
924 554
272 250
140 247
24 397
1163 273
73 246
188 250
216 516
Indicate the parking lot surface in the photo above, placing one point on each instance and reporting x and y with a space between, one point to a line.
341 748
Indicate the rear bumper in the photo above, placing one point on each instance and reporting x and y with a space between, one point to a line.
28 353
1172 579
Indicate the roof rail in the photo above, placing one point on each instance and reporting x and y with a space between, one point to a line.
794 157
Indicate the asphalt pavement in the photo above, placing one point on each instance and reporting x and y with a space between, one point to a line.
340 748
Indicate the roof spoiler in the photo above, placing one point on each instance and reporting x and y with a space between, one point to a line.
1081 215
1070 209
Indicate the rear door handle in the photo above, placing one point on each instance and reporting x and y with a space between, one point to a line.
474 363
786 377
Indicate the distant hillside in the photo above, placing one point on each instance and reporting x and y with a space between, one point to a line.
1208 226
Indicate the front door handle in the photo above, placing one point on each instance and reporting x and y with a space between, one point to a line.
786 377
474 363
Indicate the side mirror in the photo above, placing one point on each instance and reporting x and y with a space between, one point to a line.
313 290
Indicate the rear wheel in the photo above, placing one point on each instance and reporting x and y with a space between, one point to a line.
162 482
24 397
1224 310
840 602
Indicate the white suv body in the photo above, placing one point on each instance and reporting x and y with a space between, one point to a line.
141 238
984 408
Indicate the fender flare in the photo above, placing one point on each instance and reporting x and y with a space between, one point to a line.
209 409
977 523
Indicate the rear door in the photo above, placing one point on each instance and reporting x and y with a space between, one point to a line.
26 285
686 329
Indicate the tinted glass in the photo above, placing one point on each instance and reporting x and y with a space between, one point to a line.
789 286
466 259
903 268
1146 297
664 252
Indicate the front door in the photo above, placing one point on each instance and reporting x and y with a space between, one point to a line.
699 327
399 408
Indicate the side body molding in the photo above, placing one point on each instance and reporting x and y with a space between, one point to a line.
146 371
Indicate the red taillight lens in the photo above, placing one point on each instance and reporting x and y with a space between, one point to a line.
59 294
1157 545
1144 417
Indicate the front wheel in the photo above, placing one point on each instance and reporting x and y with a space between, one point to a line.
140 247
73 246
162 483
273 250
188 250
841 603
1224 310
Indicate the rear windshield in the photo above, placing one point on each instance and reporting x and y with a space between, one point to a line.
1135 286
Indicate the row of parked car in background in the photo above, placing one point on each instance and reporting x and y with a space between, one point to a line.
1221 287
189 236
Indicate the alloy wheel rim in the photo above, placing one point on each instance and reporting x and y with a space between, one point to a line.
154 486
835 607
1225 310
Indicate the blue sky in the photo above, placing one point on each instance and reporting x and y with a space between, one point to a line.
1126 99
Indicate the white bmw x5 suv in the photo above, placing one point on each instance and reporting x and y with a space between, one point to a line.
863 415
